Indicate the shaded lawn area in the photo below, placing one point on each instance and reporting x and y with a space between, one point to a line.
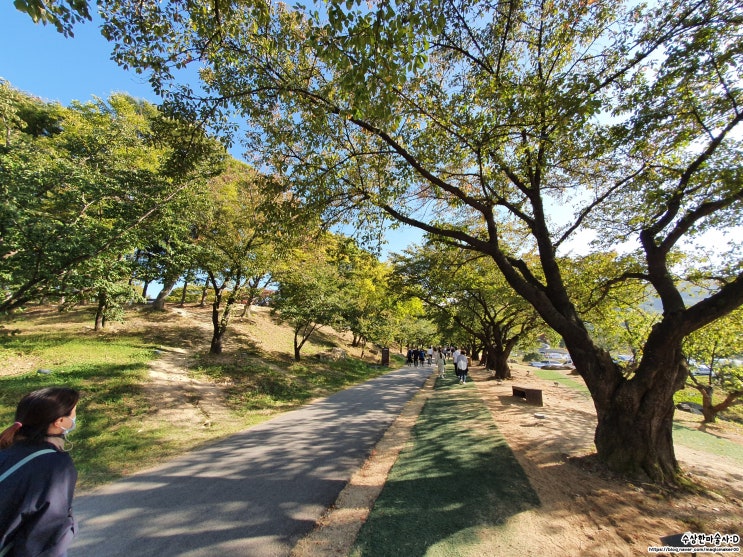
456 475
694 438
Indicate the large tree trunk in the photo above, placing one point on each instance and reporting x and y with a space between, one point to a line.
635 414
496 354
634 433
499 361
159 303
100 311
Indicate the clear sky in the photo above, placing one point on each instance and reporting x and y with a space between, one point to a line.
36 59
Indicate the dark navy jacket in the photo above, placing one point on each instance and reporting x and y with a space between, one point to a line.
36 501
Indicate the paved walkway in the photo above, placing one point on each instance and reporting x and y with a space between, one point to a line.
254 494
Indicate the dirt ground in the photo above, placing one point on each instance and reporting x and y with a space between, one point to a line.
586 511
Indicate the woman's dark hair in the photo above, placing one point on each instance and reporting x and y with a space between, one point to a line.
37 411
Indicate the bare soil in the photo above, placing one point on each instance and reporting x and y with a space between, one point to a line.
180 397
587 511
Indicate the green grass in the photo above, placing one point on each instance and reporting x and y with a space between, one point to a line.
283 386
560 377
118 431
707 442
108 373
456 476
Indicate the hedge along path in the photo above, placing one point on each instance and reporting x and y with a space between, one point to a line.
456 479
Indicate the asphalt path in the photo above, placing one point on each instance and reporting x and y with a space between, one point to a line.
253 494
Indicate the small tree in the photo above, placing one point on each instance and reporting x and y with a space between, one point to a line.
104 281
235 241
309 294
715 346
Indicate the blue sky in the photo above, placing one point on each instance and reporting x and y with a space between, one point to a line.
38 60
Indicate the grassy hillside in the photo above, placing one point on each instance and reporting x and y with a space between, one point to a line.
129 418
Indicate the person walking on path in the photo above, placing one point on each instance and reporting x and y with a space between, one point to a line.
454 356
440 363
462 365
37 476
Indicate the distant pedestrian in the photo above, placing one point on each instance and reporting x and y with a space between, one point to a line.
37 476
410 356
454 356
416 357
462 365
440 363
429 355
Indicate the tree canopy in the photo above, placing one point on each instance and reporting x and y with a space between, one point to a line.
81 183
470 292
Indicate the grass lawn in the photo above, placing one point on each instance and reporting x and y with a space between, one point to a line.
707 442
108 375
456 476
117 433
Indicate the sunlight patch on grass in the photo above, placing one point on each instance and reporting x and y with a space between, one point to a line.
707 442
560 377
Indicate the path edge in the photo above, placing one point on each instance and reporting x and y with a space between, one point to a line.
336 530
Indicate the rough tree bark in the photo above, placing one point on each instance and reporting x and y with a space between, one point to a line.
159 303
99 312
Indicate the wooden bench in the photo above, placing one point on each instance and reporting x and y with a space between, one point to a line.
532 396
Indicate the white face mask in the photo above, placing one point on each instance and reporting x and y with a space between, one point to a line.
65 431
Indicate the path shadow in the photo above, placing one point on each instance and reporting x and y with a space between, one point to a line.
255 493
